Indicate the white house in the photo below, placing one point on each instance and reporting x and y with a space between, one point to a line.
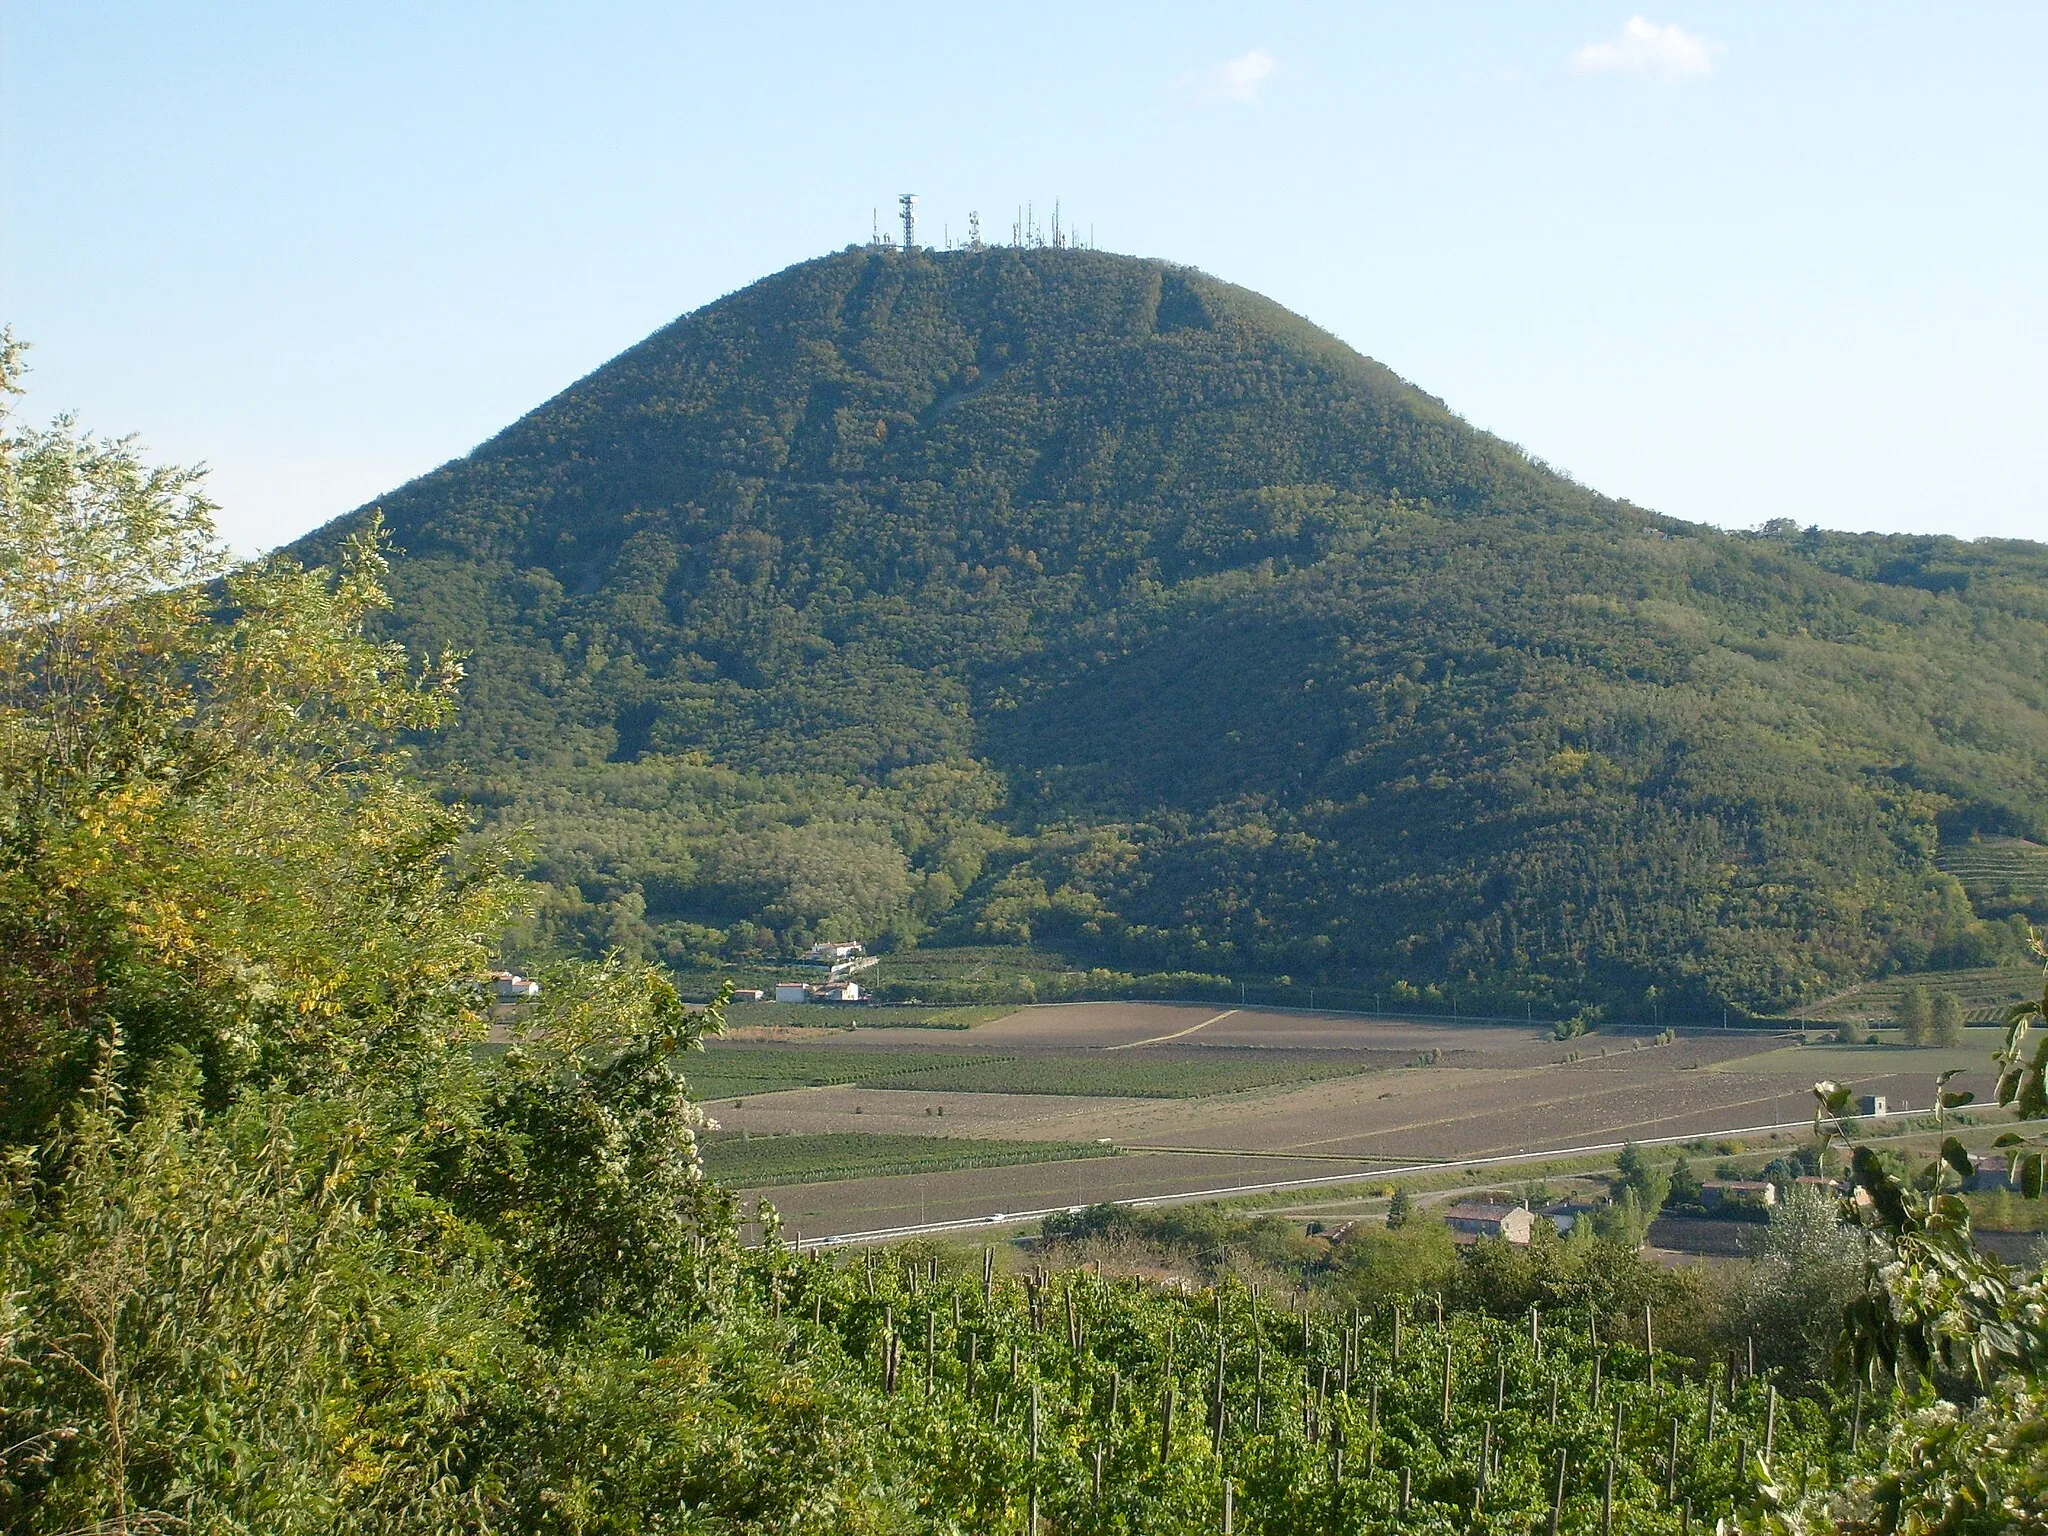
836 992
792 992
510 987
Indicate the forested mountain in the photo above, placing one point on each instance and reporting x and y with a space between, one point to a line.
1057 596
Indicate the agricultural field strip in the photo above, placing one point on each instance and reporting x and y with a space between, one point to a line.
1008 1218
1177 1034
1492 1112
755 1072
799 1067
1301 1118
770 1161
1299 1157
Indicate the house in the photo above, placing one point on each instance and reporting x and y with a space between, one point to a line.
1870 1104
510 987
1737 1194
836 992
1473 1220
833 954
792 992
748 995
1565 1215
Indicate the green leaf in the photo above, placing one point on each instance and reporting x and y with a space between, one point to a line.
1956 1157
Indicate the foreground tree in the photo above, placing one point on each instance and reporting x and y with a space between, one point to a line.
204 831
278 1251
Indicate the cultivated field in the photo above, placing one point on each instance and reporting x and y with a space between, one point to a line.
1199 1098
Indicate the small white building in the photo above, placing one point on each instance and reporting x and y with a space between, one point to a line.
792 992
1871 1104
748 995
836 992
511 987
833 954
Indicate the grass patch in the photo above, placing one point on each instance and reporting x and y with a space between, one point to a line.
1848 1062
765 1160
2003 1211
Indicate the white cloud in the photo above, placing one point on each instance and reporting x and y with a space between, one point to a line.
1238 80
1644 48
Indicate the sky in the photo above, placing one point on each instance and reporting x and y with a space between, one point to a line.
1733 262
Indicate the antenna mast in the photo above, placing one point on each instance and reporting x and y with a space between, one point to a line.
908 201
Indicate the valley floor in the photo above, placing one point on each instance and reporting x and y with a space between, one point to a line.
1378 1098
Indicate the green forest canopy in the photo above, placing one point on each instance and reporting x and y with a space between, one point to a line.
1077 600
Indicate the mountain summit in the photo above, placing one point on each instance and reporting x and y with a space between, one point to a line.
1087 601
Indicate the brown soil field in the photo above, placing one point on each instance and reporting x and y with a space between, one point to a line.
1493 1090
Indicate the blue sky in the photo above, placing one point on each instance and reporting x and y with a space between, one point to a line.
1733 262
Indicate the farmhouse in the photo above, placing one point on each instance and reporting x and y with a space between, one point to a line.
1473 1220
792 992
833 954
510 987
1737 1194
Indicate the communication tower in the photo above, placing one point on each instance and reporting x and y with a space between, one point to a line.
908 202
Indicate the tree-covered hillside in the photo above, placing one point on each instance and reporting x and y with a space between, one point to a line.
1056 596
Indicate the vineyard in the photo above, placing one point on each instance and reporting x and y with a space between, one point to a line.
2001 875
1070 1403
764 1160
1986 992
